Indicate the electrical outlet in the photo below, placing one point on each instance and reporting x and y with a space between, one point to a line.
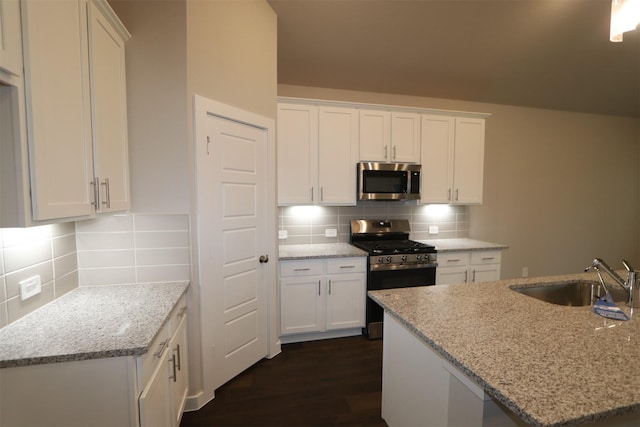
282 234
525 271
330 232
30 287
433 229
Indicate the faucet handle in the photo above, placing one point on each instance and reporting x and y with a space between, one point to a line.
627 265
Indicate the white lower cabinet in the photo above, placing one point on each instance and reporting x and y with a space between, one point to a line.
468 266
322 297
418 385
148 390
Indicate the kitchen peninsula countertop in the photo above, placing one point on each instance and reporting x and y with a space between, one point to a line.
323 250
462 244
89 323
551 365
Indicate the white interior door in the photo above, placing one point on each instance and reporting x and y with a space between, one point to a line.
231 162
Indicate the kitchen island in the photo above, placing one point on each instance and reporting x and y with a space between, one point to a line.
525 360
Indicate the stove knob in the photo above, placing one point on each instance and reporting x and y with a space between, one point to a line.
403 258
418 257
380 260
388 259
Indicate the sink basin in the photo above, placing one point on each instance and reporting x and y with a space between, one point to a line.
572 293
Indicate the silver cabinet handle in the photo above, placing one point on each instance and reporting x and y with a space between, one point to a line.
329 287
301 269
312 194
321 193
107 193
386 152
178 353
163 346
488 258
347 266
474 276
318 287
394 151
173 377
466 276
454 260
449 195
96 192
457 190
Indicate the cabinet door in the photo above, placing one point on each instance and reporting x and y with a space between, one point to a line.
10 37
297 154
375 136
469 161
452 275
485 273
337 155
346 296
108 112
180 372
301 305
437 137
154 400
57 101
405 138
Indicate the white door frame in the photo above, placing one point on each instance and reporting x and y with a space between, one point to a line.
203 108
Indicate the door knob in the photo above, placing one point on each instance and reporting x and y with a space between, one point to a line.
264 259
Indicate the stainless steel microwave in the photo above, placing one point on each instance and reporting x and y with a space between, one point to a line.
388 181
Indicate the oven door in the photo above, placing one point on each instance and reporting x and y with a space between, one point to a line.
391 279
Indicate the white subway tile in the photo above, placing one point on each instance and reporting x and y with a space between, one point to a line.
107 276
3 289
20 256
63 229
162 239
164 273
106 258
4 318
161 222
66 284
102 241
162 256
20 236
64 245
111 223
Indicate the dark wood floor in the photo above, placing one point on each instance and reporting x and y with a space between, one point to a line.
318 383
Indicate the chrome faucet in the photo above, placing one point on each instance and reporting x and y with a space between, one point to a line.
630 285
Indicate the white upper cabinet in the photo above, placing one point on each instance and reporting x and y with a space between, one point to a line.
57 103
337 155
75 110
108 110
297 153
10 39
389 136
452 159
317 155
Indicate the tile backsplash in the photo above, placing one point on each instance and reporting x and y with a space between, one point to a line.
116 249
309 224
48 251
134 248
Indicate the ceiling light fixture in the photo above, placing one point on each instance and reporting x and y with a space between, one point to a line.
625 16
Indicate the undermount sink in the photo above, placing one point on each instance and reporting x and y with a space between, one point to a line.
572 293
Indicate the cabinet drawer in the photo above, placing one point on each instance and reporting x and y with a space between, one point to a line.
346 265
300 268
177 314
486 257
451 259
152 357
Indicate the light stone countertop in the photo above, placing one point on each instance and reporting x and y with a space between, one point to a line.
323 250
552 365
89 323
462 244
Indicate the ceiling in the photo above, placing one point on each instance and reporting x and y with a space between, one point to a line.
551 54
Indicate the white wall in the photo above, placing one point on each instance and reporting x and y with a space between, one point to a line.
560 188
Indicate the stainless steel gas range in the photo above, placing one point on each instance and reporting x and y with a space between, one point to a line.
394 262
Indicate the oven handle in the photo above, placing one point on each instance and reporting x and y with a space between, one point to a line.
388 267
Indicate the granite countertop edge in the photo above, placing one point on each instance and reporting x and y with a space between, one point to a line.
122 324
463 244
320 250
493 390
